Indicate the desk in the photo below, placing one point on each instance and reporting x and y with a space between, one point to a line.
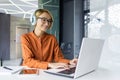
102 73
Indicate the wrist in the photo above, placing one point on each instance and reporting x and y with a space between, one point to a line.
49 65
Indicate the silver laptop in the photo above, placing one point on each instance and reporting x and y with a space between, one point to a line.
88 59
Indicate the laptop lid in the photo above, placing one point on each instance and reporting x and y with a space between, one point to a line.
89 56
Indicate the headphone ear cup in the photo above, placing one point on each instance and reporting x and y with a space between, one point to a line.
33 20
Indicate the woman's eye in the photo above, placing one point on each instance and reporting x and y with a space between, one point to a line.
44 19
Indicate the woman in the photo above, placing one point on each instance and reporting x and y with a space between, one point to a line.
40 49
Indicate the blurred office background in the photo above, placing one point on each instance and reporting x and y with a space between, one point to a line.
73 20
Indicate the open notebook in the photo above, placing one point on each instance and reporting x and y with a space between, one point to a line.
88 59
10 69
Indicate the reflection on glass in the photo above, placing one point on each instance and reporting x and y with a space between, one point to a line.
104 21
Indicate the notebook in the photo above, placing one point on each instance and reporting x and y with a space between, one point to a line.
88 59
10 69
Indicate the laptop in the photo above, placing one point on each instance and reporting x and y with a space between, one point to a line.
88 59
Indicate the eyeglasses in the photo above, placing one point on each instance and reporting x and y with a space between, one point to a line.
43 19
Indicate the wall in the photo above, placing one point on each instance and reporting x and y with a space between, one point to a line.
14 22
72 27
4 36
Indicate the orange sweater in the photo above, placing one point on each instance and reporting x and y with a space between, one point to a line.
38 52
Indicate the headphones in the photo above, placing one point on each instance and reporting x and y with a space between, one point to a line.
33 19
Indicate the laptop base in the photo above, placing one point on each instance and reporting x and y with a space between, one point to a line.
64 75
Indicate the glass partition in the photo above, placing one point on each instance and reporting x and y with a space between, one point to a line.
105 24
104 18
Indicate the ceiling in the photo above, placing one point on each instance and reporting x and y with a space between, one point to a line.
19 8
25 8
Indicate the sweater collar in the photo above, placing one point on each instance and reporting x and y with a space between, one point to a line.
33 34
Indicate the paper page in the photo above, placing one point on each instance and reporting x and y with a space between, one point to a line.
10 69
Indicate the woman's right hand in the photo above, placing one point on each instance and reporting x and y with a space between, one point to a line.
58 65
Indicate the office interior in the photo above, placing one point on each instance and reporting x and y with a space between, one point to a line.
73 20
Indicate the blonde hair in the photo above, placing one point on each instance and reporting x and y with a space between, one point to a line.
38 12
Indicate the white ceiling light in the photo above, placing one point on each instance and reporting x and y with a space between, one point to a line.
20 8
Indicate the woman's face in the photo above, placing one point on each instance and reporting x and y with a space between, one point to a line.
44 22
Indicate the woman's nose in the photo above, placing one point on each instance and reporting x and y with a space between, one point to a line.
46 23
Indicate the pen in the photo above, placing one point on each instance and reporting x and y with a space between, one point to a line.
7 68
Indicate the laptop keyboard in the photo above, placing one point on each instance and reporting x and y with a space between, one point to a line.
68 71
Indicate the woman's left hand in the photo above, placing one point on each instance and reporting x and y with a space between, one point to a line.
73 62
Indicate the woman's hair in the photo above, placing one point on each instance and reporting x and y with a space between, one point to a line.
38 12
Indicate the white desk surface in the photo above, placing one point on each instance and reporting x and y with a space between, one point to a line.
102 73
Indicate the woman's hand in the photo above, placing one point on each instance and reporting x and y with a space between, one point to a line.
63 65
58 65
73 62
